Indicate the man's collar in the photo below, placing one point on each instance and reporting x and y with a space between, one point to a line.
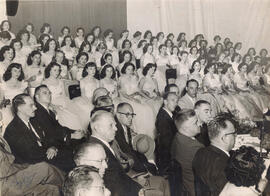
168 111
226 152
44 106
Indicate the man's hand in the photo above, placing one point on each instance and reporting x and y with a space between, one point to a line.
51 152
79 134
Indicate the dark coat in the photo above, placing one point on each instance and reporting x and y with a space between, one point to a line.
115 178
203 135
166 130
209 164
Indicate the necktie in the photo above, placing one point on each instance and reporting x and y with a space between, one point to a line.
38 137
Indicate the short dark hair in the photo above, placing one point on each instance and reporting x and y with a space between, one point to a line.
49 67
21 32
42 29
37 89
7 75
46 46
137 33
64 41
121 105
17 101
15 41
146 33
2 24
245 167
123 70
65 27
192 80
147 67
3 50
166 95
103 71
218 123
85 43
107 32
200 102
80 55
87 35
79 177
182 116
89 64
124 53
124 43
5 35
168 86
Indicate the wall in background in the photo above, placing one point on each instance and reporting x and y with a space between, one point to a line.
3 15
241 20
73 13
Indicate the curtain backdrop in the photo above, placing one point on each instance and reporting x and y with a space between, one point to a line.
247 21
73 13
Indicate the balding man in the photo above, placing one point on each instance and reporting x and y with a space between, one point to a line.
209 163
116 180
184 146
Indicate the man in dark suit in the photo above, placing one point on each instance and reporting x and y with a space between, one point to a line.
27 139
124 134
184 146
55 134
116 180
166 130
203 112
209 163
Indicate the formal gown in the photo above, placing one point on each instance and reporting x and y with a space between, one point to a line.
34 71
144 121
111 87
162 62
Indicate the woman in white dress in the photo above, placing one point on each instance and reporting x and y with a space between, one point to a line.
34 73
154 43
181 36
77 68
147 56
144 121
123 35
127 58
48 52
169 44
64 107
174 59
160 38
6 26
193 55
63 62
138 52
68 47
42 40
100 51
107 80
20 56
12 85
65 31
87 48
183 46
96 31
126 46
136 39
46 29
7 54
147 36
33 39
24 37
235 61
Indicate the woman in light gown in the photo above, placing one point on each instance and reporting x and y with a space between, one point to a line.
126 46
68 47
246 108
154 43
144 121
147 56
87 48
46 29
32 39
138 52
79 37
48 52
193 55
42 40
123 35
237 47
64 32
63 62
181 36
64 107
183 46
34 73
169 45
12 85
7 54
149 86
107 80
257 84
195 73
267 76
252 53
127 58
96 31
235 61
20 56
147 36
98 54
136 39
77 68
242 85
24 37
174 59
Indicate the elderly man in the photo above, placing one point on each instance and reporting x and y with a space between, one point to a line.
209 163
166 130
28 140
116 180
203 112
26 179
184 146
84 180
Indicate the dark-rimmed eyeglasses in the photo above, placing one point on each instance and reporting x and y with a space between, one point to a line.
128 114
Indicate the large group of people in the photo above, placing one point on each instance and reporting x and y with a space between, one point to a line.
85 115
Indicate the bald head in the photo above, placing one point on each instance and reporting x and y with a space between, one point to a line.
125 114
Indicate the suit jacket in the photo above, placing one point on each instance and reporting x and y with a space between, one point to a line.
166 130
203 135
27 148
55 134
185 102
183 151
209 164
24 143
141 163
115 178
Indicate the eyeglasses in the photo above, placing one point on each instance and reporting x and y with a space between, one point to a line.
127 114
232 133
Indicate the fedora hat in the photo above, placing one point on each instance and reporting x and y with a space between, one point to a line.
144 144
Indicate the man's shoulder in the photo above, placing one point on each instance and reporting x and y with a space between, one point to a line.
212 152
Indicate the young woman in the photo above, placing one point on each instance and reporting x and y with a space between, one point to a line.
147 56
174 59
127 58
107 80
193 55
42 40
46 29
20 56
181 37
195 73
147 36
169 45
138 52
65 31
100 51
87 48
24 37
33 39
183 46
96 31
34 73
48 52
123 36
7 54
79 37
136 39
6 26
144 120
68 47
160 38
77 69
63 62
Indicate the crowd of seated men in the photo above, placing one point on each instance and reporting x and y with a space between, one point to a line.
141 119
